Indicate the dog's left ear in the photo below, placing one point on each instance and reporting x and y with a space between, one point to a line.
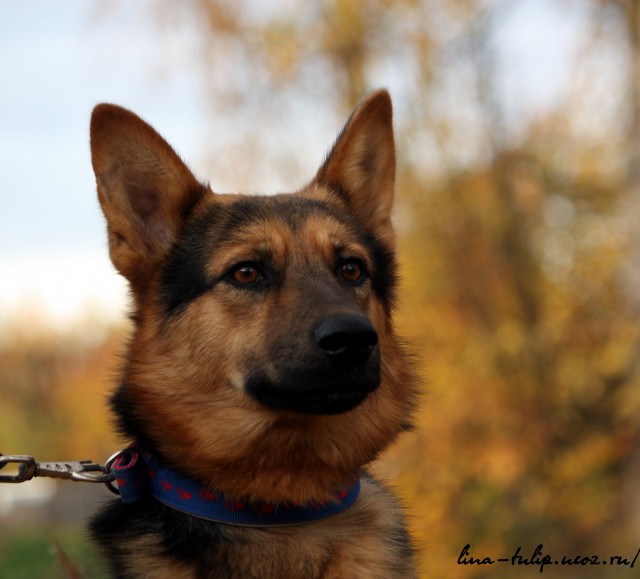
361 166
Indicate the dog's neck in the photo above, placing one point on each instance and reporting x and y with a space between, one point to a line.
138 476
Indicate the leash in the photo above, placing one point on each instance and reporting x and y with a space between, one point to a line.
75 470
135 476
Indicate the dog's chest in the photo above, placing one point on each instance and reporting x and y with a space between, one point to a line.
368 541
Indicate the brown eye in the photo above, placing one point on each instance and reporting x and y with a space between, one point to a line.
246 274
352 271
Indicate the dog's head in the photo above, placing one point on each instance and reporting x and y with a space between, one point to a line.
263 359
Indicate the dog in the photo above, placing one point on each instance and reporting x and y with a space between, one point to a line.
263 372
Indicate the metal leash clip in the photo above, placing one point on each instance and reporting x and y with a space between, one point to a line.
75 470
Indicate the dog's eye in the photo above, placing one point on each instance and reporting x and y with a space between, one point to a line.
245 274
352 271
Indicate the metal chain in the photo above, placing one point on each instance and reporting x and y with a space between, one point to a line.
75 470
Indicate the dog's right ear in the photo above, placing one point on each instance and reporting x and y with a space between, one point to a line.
144 189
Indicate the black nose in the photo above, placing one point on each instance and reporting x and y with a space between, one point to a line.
346 338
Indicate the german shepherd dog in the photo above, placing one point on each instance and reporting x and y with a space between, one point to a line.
263 367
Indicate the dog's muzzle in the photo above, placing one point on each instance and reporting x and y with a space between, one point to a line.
332 373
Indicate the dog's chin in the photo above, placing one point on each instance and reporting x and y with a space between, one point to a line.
322 400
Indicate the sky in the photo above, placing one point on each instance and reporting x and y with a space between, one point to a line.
59 59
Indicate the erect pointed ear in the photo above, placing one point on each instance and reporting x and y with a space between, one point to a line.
361 166
144 189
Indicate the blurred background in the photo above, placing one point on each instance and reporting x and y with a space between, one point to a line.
518 199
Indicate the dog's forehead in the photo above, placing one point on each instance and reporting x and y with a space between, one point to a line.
290 215
282 226
291 210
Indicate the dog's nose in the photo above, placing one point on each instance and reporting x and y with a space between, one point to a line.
346 338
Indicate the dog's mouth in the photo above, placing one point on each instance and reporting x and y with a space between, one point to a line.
334 398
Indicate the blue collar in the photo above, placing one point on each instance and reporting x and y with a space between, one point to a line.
138 476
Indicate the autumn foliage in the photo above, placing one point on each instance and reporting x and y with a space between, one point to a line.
517 249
